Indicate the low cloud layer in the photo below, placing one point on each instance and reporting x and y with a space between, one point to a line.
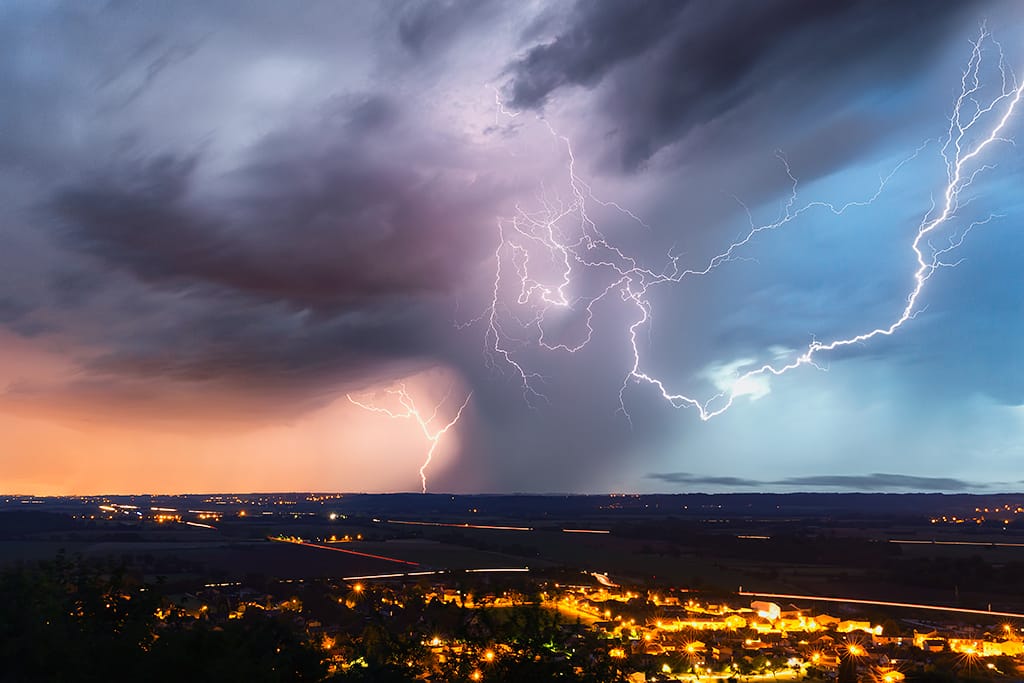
875 481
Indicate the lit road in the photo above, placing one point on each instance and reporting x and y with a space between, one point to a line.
984 544
433 572
490 527
483 570
464 525
571 611
784 675
884 603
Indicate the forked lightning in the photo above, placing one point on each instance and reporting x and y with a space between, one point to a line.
542 255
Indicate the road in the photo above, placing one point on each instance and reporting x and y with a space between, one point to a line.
884 603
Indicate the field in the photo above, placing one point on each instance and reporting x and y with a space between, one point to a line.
783 544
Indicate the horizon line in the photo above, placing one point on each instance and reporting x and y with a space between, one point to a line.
547 494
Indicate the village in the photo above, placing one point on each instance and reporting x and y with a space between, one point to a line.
644 635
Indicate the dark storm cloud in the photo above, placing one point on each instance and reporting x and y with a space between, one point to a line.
224 207
426 27
316 223
687 478
867 482
671 66
331 256
235 341
601 36
12 311
73 286
17 315
878 481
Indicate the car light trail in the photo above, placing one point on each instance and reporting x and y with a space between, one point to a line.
200 525
399 575
984 544
434 572
586 531
463 525
884 603
347 552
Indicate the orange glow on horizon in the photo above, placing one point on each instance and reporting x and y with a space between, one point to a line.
55 447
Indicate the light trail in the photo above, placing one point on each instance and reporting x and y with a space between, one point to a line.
200 525
541 255
411 412
986 544
401 575
493 527
434 572
463 525
883 603
307 544
498 570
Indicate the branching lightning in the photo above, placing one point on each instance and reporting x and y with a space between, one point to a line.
544 254
409 411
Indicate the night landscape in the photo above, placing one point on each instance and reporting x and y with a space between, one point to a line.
466 340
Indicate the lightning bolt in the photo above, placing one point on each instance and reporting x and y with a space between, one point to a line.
544 254
411 412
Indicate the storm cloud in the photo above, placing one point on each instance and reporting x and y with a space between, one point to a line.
231 214
666 68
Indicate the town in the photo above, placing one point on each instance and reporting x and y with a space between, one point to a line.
669 635
467 588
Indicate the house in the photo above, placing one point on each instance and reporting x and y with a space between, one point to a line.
766 610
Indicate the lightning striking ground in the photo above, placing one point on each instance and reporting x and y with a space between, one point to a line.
411 412
544 254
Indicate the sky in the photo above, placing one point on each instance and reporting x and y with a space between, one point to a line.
550 246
